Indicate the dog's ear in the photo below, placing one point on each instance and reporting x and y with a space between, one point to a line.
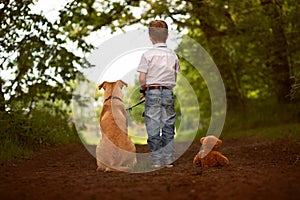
102 85
121 83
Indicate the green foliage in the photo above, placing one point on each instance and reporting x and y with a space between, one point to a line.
254 44
34 55
87 105
258 114
37 70
295 90
280 131
11 149
132 98
45 125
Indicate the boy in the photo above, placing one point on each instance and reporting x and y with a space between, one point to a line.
158 70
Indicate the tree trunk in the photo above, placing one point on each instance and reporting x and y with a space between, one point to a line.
2 98
277 52
235 96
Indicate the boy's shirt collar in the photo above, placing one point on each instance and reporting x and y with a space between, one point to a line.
160 45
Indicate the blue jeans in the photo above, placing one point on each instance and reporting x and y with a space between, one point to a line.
160 119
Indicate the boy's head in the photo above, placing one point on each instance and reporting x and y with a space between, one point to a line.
158 31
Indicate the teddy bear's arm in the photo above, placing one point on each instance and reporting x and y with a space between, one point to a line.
222 160
197 160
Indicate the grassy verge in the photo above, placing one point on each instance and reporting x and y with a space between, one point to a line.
265 120
277 131
20 134
10 149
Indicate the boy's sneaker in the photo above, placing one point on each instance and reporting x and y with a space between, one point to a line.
156 166
169 165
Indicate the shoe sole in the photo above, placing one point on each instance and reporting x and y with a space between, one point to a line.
169 166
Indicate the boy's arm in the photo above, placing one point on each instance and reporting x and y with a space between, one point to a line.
142 79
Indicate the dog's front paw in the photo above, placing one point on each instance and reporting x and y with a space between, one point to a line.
108 170
103 169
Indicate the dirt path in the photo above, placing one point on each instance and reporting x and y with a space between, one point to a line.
258 170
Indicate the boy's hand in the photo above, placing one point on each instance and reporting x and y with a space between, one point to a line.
142 96
142 91
142 79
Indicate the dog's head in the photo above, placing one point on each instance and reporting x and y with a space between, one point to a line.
112 88
106 84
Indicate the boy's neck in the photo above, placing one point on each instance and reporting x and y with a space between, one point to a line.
160 44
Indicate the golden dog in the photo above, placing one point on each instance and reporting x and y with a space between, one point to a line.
115 151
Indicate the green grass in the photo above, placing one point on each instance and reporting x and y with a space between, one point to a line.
12 150
278 131
264 120
185 136
138 140
94 140
21 134
86 138
179 137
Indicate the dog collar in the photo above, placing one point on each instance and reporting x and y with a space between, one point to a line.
113 97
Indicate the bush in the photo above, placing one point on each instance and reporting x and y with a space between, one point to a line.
262 114
22 133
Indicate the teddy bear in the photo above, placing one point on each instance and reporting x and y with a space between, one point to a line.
209 156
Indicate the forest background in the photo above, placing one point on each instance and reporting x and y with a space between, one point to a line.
255 45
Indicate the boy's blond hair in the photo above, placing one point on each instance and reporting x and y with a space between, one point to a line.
158 30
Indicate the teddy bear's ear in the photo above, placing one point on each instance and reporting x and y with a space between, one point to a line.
202 139
218 143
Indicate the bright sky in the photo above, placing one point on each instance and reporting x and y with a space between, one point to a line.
117 70
50 9
121 67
